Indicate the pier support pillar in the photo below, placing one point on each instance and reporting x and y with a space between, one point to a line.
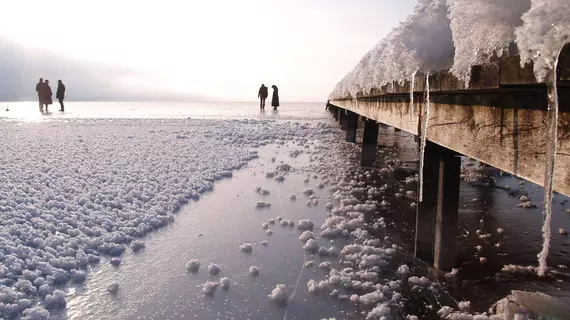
335 111
426 210
369 143
447 211
342 118
351 126
436 215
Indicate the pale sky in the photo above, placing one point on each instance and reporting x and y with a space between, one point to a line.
223 49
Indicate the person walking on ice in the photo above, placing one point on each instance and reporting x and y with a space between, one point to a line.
60 94
40 91
262 95
46 95
275 98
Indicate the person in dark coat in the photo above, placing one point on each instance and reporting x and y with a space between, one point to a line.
47 93
275 98
262 95
60 94
39 90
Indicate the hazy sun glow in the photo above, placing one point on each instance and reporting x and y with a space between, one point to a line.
221 49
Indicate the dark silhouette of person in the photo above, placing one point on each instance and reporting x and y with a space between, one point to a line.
262 95
47 93
60 94
275 98
40 90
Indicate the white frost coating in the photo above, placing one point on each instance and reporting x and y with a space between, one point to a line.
545 30
193 265
213 269
279 294
480 28
422 42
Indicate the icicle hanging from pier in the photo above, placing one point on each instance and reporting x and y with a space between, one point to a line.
552 140
412 94
423 141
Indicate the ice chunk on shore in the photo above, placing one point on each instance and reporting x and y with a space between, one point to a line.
311 246
113 288
193 265
305 224
225 282
209 287
262 204
246 247
213 269
279 294
254 271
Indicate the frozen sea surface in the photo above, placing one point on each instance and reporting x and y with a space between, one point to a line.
28 111
75 193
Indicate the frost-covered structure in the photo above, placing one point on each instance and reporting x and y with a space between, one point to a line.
457 34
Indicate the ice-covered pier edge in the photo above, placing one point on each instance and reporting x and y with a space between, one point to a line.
499 88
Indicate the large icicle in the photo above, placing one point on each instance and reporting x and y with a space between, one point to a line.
541 38
412 94
423 141
552 140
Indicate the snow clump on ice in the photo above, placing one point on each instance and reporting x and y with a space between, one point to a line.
193 265
279 294
246 247
254 271
225 282
208 288
213 269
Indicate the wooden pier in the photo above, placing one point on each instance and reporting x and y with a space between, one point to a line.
500 119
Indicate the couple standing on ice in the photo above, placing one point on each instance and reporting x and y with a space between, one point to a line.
44 94
262 95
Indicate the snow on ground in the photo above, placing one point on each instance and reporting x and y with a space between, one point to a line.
74 193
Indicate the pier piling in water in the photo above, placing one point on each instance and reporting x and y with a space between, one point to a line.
351 126
369 143
342 118
436 215
447 210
